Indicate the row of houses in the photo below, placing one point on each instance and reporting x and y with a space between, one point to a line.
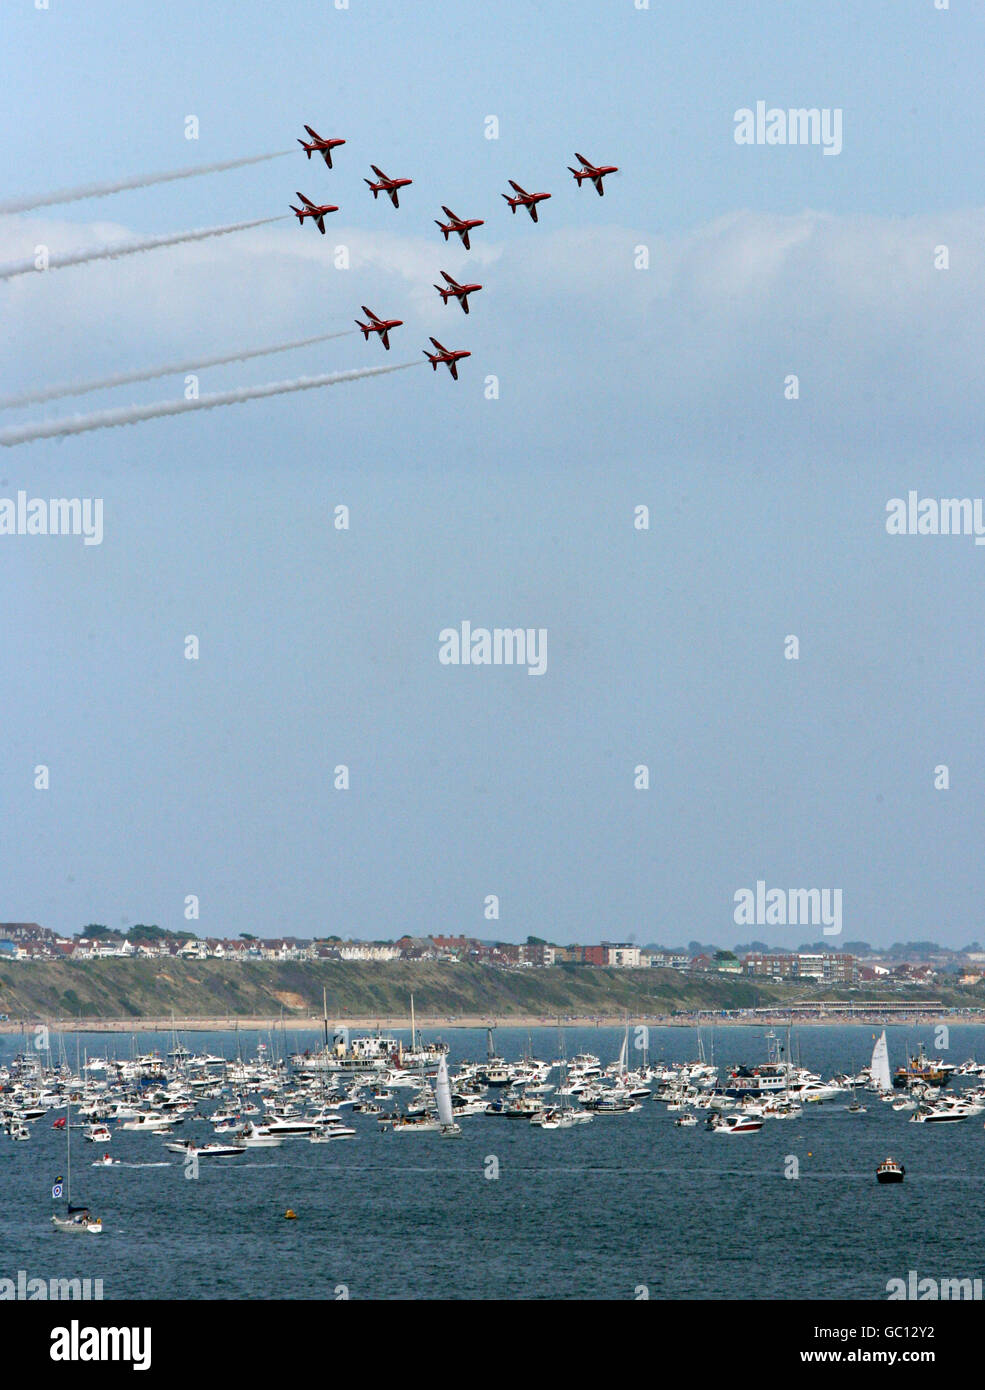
27 941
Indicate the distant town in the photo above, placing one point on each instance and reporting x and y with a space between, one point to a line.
902 964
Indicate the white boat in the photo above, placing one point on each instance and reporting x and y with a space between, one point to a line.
106 1162
879 1066
327 1133
734 1124
258 1137
78 1220
947 1113
81 1223
148 1123
186 1146
442 1093
98 1134
411 1124
291 1128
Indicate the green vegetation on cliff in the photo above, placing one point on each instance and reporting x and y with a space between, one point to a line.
121 989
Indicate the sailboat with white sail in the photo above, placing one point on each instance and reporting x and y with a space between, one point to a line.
442 1095
879 1066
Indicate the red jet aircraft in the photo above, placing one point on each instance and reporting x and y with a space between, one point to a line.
451 357
311 209
377 325
524 200
456 291
319 146
592 171
457 224
386 184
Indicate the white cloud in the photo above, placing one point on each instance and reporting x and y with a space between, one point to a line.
843 301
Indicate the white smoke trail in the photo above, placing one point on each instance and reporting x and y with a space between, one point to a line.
81 388
133 414
100 190
130 248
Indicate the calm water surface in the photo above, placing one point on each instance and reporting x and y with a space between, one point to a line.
591 1212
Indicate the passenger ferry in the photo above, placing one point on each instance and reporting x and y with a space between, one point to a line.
373 1054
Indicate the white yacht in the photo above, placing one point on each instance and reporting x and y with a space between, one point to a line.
258 1137
148 1122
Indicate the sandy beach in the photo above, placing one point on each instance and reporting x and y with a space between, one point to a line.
311 1022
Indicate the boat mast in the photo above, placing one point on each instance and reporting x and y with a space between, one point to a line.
68 1147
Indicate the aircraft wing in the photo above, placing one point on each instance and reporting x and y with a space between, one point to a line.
379 173
307 201
583 160
369 314
438 345
450 281
516 187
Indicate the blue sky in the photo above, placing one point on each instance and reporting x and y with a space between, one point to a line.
617 387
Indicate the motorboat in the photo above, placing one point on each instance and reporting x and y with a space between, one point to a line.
890 1171
187 1147
291 1127
148 1122
325 1134
258 1137
734 1124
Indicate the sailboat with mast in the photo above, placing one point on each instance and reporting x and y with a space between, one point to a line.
77 1220
879 1066
442 1092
